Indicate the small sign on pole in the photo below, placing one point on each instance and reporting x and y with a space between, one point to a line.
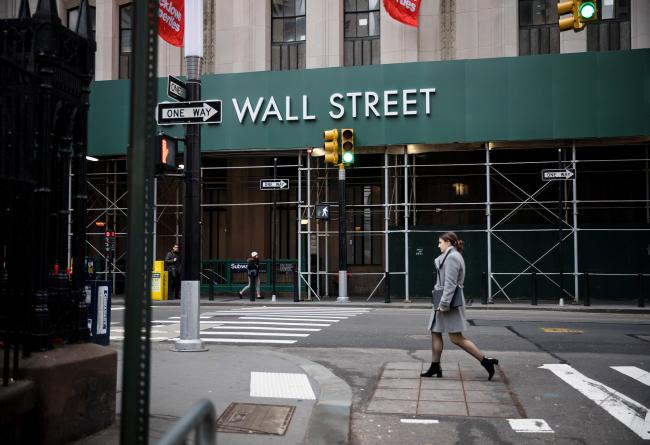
176 88
561 174
196 112
323 211
274 184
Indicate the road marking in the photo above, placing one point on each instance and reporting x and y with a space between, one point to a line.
627 411
562 330
118 308
421 421
283 314
261 334
287 319
634 372
121 338
274 323
264 328
242 340
281 385
530 426
202 317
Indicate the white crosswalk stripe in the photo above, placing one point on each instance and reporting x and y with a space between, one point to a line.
634 372
629 412
258 325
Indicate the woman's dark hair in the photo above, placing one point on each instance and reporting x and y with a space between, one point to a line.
453 239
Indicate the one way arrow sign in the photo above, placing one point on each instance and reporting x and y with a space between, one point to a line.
557 174
274 184
198 112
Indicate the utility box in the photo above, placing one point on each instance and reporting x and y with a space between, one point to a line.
98 298
159 281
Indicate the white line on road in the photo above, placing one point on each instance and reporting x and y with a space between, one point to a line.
242 340
420 421
627 411
264 328
260 334
634 372
530 426
288 319
118 308
274 323
281 385
282 314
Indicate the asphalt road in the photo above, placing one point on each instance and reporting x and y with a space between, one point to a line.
588 345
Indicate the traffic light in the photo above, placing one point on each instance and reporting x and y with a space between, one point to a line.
331 146
582 12
166 150
347 145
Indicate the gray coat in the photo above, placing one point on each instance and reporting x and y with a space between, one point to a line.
452 274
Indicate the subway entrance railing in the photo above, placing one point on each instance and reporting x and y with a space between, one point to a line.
230 275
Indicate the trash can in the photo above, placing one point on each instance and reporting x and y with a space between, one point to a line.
98 299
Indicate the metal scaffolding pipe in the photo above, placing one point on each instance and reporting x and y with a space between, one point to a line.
406 226
488 215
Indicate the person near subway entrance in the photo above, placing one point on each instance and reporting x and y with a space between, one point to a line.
450 276
253 271
174 268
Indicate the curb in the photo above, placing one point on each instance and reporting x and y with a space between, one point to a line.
330 418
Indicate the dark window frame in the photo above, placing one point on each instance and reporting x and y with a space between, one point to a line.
124 72
622 19
549 44
364 49
288 53
93 18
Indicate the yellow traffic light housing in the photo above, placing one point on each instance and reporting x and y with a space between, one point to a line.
347 145
582 12
331 146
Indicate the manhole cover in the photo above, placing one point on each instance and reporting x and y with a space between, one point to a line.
252 418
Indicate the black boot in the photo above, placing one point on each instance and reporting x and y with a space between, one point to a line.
488 363
433 369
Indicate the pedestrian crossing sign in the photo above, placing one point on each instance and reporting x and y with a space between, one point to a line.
323 211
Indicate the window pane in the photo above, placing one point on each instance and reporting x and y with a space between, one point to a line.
524 42
289 8
362 24
603 41
125 41
276 7
544 41
277 31
350 25
73 16
592 37
275 57
373 5
376 54
124 66
357 53
348 53
289 30
626 36
350 5
373 26
607 9
539 12
554 47
301 32
623 9
126 13
362 5
301 56
367 57
525 13
293 57
300 7
285 57
534 41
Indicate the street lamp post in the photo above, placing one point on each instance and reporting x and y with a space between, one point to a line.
190 282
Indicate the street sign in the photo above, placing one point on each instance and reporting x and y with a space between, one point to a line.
323 211
176 88
274 184
561 174
197 112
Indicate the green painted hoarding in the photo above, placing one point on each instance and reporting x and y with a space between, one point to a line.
568 96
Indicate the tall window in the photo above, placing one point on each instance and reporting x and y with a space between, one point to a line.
361 32
288 34
612 31
539 32
73 18
126 39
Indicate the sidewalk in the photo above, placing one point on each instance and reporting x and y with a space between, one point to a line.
246 375
599 306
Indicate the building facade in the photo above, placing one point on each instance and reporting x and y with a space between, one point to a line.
513 96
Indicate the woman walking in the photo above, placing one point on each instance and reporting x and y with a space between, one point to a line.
450 267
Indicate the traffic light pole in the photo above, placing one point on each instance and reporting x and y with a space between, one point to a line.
343 257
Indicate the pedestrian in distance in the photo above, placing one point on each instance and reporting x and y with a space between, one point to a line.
174 267
449 315
253 271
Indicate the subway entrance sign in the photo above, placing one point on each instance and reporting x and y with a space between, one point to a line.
196 112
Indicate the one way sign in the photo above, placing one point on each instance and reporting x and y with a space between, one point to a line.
274 184
197 112
557 174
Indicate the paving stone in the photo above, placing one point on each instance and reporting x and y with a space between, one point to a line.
477 374
471 385
404 365
399 383
401 373
442 408
493 410
435 383
393 406
396 394
488 397
443 395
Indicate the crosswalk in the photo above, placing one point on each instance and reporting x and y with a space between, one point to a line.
258 325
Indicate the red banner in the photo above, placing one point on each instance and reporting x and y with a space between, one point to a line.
171 21
405 11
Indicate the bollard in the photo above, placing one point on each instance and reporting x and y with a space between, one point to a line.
386 287
484 298
534 299
294 272
587 297
641 296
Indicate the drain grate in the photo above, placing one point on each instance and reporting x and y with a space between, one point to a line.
253 418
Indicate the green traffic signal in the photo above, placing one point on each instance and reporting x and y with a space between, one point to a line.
587 10
348 157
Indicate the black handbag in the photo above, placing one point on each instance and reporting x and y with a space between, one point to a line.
436 294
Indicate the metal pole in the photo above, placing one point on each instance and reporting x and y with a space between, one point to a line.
647 188
155 217
308 191
69 256
327 236
140 159
406 225
190 283
576 285
273 229
559 224
299 218
488 215
386 217
108 227
343 257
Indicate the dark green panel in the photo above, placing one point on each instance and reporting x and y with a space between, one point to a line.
568 96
